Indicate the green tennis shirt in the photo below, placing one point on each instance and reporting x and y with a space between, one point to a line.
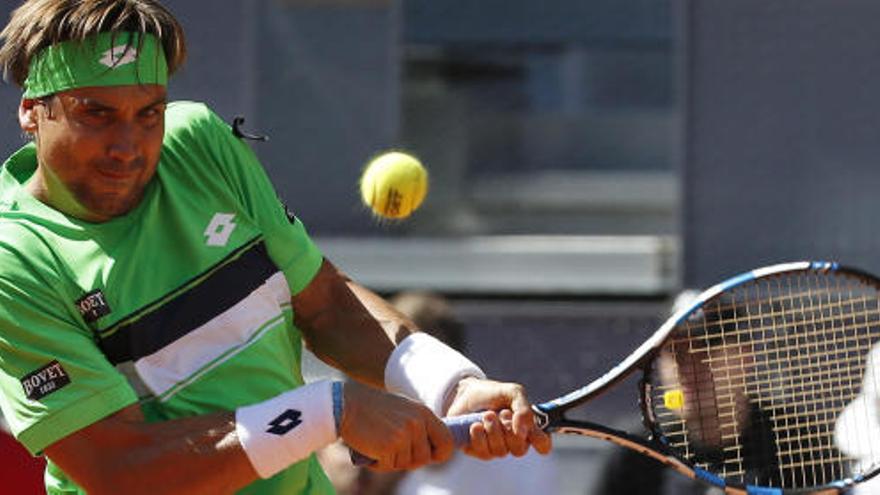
182 305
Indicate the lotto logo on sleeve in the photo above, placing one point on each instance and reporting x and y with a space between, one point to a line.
44 381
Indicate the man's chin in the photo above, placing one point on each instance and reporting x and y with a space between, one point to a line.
108 207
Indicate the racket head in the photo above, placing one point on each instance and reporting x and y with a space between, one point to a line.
768 380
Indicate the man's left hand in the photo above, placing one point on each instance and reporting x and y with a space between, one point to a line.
508 426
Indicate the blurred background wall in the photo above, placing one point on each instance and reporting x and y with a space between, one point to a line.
783 134
589 158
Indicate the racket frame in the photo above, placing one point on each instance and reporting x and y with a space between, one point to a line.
550 415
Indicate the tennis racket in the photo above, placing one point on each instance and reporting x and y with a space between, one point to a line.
764 384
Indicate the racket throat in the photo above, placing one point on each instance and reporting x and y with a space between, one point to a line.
542 416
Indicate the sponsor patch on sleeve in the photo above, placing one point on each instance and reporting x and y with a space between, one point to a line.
93 305
44 381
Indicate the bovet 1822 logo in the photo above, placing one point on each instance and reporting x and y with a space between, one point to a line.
44 381
93 305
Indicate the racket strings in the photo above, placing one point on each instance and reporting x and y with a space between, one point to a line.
770 320
770 378
824 415
779 358
801 426
760 300
829 410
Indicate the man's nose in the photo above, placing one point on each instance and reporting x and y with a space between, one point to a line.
123 146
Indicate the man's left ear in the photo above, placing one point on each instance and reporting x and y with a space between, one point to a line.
27 117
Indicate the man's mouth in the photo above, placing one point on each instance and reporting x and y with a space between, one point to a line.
118 173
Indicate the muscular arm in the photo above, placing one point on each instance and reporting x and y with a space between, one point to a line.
355 330
349 326
123 453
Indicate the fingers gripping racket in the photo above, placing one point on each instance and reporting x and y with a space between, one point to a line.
763 385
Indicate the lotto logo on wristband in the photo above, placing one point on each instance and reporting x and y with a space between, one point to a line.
287 421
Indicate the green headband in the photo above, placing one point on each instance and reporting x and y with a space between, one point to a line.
107 59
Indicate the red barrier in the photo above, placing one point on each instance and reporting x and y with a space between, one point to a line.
20 473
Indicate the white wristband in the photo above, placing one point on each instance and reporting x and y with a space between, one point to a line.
427 370
287 428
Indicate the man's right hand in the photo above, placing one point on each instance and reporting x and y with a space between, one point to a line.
395 431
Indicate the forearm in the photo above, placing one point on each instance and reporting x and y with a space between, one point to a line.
360 333
199 455
357 332
189 455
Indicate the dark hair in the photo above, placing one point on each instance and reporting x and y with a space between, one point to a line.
37 24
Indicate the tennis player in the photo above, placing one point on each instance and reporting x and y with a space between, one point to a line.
154 294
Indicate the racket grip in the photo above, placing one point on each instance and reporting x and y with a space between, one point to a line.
459 426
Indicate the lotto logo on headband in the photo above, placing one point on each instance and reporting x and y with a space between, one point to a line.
119 56
134 58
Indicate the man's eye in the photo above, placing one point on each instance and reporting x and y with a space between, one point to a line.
97 113
152 116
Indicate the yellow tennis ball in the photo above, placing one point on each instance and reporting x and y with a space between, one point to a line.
394 184
673 399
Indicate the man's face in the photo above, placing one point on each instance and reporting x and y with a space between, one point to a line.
97 147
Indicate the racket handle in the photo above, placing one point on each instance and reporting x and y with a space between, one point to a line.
459 426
